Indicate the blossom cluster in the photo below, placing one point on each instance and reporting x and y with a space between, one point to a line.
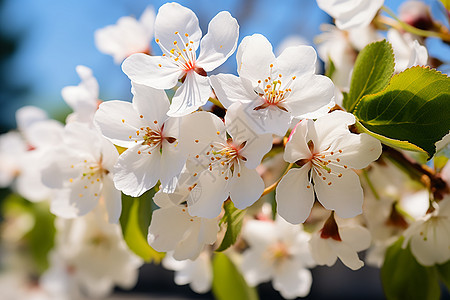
221 139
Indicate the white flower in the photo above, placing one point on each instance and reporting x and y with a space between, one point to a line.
83 98
407 50
351 13
80 171
197 273
326 151
429 237
127 36
273 89
343 242
154 152
278 251
178 34
223 167
91 256
173 229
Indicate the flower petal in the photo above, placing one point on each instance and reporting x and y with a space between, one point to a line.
229 89
297 147
357 236
137 171
295 61
256 58
246 187
192 94
344 194
294 281
155 71
220 41
358 150
332 126
347 255
152 104
112 199
294 198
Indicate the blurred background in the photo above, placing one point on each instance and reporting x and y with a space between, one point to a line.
42 41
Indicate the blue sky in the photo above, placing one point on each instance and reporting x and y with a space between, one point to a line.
55 36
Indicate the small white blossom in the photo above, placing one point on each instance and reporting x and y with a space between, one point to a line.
178 34
407 50
278 251
326 151
127 36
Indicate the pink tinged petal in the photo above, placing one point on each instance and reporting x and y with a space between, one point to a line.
297 145
167 228
172 18
117 121
295 61
347 254
220 41
246 187
294 281
256 59
137 171
152 104
112 199
332 126
229 89
294 198
358 150
321 250
356 236
309 93
208 195
192 94
155 71
344 195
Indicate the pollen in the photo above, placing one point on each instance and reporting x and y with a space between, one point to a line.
226 177
239 174
98 179
195 174
139 152
80 195
186 35
293 77
271 65
85 186
345 166
197 156
71 180
338 159
156 122
308 186
218 132
130 136
141 116
96 195
196 141
324 178
71 166
176 32
175 42
157 40
340 175
340 151
329 183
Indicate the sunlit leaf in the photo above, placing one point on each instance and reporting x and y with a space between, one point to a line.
233 217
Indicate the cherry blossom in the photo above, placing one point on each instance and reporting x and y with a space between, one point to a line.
351 13
326 152
127 36
223 167
83 98
178 34
343 242
154 152
278 251
407 50
80 171
173 229
428 237
273 89
197 273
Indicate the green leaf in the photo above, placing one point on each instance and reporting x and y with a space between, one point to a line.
411 113
374 67
330 68
404 278
228 282
446 4
233 217
444 273
134 220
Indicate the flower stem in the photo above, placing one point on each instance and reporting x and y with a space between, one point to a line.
274 185
371 186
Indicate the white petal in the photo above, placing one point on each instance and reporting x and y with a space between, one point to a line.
229 89
295 61
332 126
297 147
136 173
293 282
294 198
358 150
112 199
192 94
344 194
27 115
309 93
172 18
259 234
117 120
347 255
256 59
155 71
151 103
220 41
246 187
254 150
357 236
173 159
255 268
321 250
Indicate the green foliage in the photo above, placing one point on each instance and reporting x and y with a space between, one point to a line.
446 4
444 273
373 69
404 278
228 282
233 218
135 220
411 113
40 239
